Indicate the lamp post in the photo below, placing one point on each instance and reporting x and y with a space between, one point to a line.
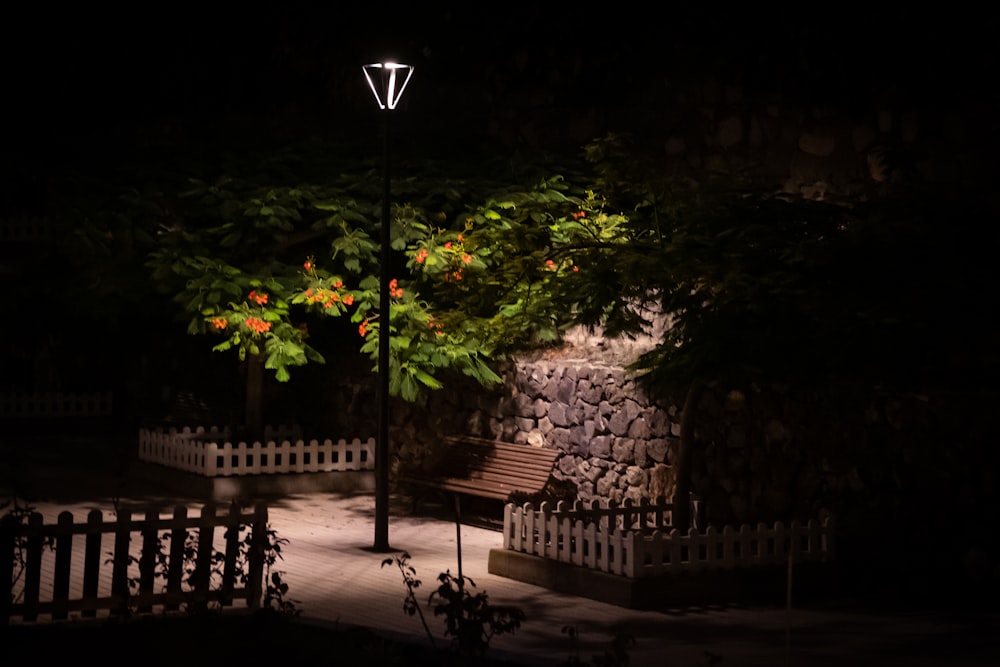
387 81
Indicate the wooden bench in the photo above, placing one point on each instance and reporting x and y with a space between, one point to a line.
488 469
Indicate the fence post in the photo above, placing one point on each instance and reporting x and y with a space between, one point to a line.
508 526
201 578
33 567
232 536
92 560
119 567
64 551
258 552
147 559
175 571
8 542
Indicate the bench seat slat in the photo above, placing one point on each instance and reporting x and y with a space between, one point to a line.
511 467
490 469
524 483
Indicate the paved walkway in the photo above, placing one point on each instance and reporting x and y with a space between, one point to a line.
335 579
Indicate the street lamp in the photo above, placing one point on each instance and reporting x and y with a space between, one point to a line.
387 81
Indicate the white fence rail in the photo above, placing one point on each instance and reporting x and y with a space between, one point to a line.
637 541
207 453
41 405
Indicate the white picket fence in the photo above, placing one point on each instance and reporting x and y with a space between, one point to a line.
24 229
208 453
50 404
637 541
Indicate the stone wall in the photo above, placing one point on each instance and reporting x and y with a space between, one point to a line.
755 458
615 443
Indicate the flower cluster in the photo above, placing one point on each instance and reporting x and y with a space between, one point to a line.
456 249
219 323
435 326
257 325
395 291
579 214
363 329
259 297
328 297
552 266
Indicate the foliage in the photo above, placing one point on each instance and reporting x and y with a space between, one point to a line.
616 654
275 589
410 604
17 516
763 286
478 279
471 620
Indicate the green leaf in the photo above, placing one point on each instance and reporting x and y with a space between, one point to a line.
427 379
231 240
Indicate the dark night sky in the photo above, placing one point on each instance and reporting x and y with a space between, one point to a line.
76 71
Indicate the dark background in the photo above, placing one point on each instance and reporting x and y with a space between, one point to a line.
78 72
100 91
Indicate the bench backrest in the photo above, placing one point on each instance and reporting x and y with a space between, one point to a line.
494 469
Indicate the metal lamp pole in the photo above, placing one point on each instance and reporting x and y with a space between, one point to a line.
387 81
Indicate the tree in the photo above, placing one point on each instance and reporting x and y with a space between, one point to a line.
475 280
882 295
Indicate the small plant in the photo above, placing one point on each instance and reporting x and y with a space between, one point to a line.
471 620
275 589
17 515
616 655
410 605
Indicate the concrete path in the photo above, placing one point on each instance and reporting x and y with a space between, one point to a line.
335 579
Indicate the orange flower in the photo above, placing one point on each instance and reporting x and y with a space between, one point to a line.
579 214
219 323
338 284
308 265
447 246
549 263
460 239
363 328
467 258
421 255
257 325
261 298
348 299
395 291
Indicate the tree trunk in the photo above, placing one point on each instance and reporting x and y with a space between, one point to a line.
253 420
685 459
